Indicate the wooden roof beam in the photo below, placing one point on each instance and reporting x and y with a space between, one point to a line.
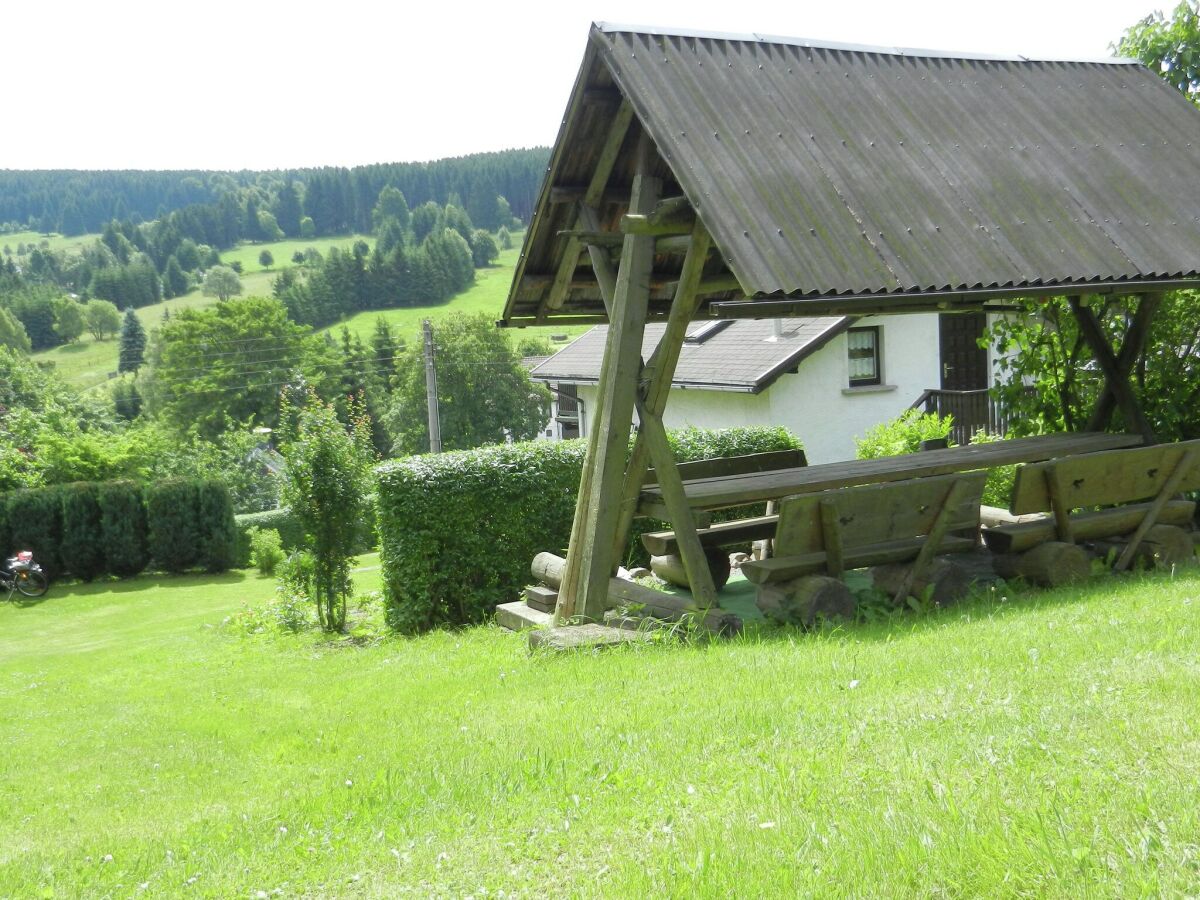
608 154
672 216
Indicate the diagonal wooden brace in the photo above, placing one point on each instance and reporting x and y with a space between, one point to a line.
933 540
1168 490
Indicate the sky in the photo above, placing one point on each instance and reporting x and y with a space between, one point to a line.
262 84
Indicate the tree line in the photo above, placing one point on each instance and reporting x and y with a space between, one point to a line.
221 208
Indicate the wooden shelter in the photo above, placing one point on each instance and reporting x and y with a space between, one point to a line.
729 176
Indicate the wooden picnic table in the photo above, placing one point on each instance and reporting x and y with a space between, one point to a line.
735 490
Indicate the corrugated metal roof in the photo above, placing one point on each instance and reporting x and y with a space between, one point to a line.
747 355
825 171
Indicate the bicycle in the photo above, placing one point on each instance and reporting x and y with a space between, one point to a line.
22 574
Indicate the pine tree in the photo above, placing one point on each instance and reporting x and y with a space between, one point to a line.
133 343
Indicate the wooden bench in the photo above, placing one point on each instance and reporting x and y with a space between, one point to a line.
1097 496
825 533
724 534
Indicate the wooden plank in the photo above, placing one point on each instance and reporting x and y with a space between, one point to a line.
1185 465
562 280
718 493
1116 381
1106 478
785 568
873 513
723 534
700 581
612 417
1087 526
831 537
1056 494
660 371
719 467
608 156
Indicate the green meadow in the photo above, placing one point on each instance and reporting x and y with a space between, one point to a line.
1034 744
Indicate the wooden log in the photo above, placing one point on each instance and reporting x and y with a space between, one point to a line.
670 607
1049 564
949 581
802 601
1089 526
670 567
548 569
995 517
1163 546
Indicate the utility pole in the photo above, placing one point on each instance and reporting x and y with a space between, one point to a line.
435 425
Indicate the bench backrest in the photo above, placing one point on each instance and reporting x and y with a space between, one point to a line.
878 513
1103 479
734 465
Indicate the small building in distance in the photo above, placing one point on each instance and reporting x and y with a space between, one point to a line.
828 379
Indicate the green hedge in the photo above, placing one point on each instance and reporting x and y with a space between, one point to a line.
459 530
94 528
291 534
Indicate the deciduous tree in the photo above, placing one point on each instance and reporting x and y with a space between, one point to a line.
103 319
222 282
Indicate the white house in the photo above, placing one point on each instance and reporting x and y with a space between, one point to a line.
827 379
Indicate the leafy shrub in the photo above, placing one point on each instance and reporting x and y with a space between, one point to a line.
216 535
35 523
903 434
171 521
82 548
459 530
999 487
266 550
123 527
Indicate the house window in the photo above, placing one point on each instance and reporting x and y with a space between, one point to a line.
862 352
568 411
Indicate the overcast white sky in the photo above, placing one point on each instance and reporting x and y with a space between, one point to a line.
264 84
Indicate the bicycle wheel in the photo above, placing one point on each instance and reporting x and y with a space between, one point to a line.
32 584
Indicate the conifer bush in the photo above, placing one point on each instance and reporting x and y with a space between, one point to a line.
216 534
123 527
35 522
82 547
171 521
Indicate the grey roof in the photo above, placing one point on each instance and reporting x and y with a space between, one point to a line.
826 171
744 355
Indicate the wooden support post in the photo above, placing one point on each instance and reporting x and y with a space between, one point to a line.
590 559
700 580
1063 529
1127 358
661 369
606 277
831 536
1116 382
1151 517
933 540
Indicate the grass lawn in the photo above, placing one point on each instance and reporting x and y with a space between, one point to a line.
247 254
53 241
1041 745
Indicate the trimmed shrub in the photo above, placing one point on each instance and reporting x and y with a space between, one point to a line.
123 527
35 523
215 530
459 530
171 523
82 548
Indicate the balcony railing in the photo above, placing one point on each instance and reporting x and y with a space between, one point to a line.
972 410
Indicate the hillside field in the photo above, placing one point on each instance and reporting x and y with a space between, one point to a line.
87 362
1041 744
